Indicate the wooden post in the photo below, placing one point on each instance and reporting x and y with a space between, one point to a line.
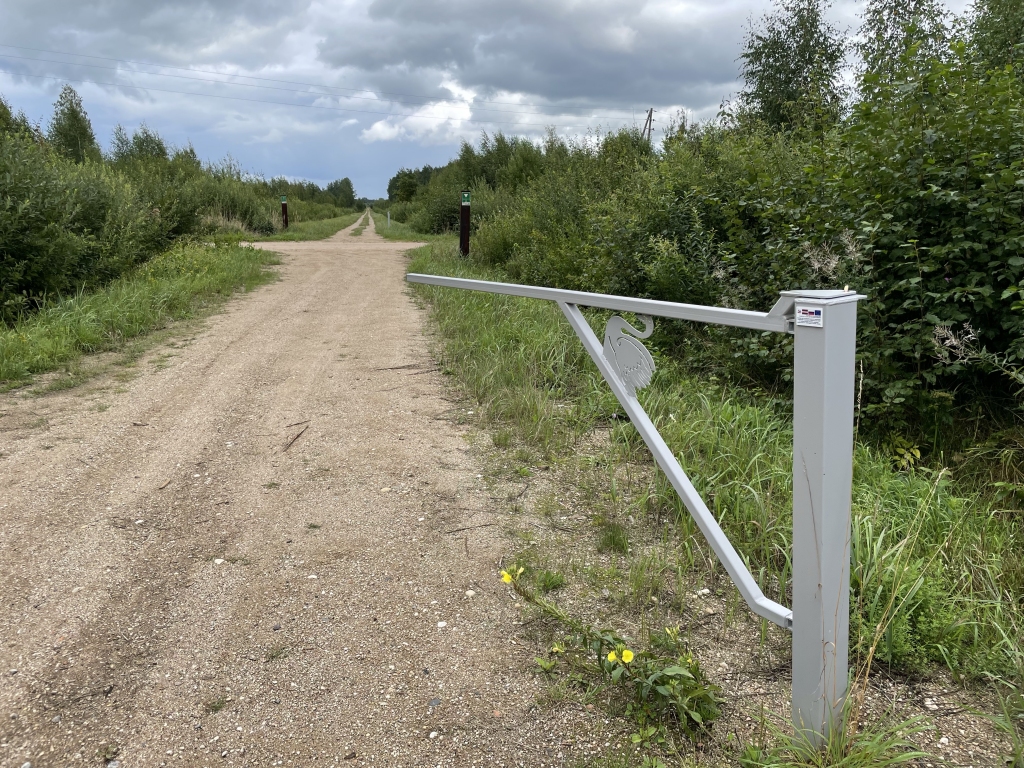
464 225
284 211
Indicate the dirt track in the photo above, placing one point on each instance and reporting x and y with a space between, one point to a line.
167 550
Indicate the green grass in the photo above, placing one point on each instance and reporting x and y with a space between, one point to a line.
181 282
312 230
613 538
402 232
938 569
549 581
882 745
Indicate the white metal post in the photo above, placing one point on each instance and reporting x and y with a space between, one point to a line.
825 325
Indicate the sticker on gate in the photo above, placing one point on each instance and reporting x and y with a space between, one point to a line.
810 316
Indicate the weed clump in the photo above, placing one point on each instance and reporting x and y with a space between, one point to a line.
213 706
613 538
663 689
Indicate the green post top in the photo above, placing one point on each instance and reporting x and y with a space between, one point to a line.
284 198
465 198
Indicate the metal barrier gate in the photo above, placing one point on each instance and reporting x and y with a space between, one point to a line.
824 326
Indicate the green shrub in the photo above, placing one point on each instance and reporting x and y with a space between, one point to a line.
438 203
929 176
71 221
65 226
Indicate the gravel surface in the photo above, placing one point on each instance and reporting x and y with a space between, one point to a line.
242 556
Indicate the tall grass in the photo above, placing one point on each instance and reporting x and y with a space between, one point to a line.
401 231
938 570
170 286
312 230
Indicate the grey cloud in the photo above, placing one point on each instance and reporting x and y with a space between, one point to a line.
187 32
556 51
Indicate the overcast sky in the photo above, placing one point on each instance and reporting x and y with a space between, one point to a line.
321 90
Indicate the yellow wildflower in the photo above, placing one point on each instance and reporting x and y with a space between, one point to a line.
627 656
613 656
506 577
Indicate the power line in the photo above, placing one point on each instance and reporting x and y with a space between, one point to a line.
306 106
276 88
273 80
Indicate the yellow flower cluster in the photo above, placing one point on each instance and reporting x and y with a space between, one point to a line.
508 578
626 656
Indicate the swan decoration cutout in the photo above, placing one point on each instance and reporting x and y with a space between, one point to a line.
627 355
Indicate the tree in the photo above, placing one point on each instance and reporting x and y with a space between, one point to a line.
17 123
145 145
402 187
70 132
343 191
997 32
895 32
6 117
792 62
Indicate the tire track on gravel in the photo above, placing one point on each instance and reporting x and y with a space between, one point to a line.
177 589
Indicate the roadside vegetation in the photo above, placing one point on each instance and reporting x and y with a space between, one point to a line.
181 282
399 230
907 189
97 247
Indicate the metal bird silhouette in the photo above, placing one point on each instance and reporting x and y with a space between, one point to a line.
628 356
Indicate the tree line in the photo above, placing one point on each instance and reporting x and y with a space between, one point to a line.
73 217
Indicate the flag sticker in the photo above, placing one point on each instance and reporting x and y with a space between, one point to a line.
810 316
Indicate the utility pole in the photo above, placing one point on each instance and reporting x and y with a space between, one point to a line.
648 125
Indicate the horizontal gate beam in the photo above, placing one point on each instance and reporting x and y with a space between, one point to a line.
775 320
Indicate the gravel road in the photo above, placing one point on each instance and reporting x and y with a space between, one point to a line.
242 555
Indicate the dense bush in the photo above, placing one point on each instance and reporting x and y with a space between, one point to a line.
929 177
65 226
71 219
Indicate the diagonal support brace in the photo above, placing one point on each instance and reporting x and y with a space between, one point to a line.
663 455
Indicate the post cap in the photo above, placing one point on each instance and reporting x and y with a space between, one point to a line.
821 294
784 306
